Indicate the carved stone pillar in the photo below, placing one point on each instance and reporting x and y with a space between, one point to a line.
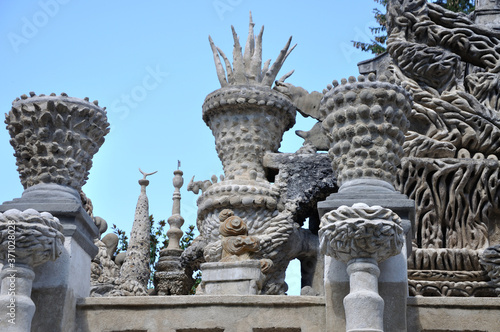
361 237
27 239
54 139
366 119
171 278
248 118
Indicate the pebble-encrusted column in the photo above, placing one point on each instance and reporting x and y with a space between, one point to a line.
362 236
27 239
366 121
136 264
170 277
248 118
54 139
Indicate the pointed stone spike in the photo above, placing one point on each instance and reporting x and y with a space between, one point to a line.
238 67
221 75
287 75
249 49
229 70
265 68
275 68
256 62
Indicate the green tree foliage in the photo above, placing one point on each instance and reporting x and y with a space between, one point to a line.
377 43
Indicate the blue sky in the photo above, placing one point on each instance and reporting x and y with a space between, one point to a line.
150 64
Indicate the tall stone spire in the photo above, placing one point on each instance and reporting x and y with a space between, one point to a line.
171 278
176 221
136 264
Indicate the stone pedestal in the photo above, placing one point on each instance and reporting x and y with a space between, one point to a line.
393 280
58 284
170 277
232 278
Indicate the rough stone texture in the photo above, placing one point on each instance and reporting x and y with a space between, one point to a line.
135 268
231 278
490 259
450 65
366 120
362 236
361 231
452 228
171 278
303 180
453 314
36 237
248 119
27 239
55 137
203 314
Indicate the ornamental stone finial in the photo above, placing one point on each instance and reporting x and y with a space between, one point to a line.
247 67
176 220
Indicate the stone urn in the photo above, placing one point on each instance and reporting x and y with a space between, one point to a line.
248 118
366 121
27 239
54 139
247 121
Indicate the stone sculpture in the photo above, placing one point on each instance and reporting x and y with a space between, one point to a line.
54 138
451 168
366 121
362 236
171 277
237 273
27 239
135 268
248 119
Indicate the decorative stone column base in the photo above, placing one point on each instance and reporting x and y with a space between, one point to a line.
232 278
393 280
170 277
58 284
